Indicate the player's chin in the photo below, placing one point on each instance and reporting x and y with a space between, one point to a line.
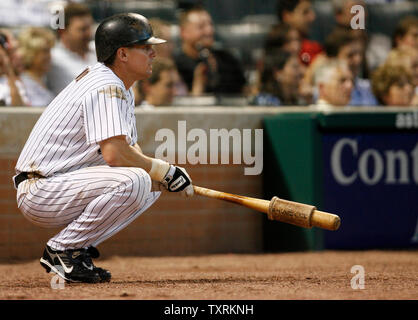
144 75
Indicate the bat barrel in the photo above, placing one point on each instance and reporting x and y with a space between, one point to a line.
296 213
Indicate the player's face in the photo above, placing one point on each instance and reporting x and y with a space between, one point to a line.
140 59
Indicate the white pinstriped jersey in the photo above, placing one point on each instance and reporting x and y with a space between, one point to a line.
89 110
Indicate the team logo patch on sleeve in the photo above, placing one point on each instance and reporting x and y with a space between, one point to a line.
113 92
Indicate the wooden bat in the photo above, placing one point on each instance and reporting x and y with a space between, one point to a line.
296 213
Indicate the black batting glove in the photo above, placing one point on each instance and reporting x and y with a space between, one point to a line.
177 180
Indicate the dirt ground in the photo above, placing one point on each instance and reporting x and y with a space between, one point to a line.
310 275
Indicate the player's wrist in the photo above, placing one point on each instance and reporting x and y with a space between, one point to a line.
159 169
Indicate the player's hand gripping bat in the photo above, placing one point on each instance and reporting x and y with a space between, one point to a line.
299 214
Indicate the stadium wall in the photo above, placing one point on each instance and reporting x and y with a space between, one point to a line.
378 151
174 225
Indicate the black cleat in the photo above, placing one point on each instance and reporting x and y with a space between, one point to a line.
104 274
69 265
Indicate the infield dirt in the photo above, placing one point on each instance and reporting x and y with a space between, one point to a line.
305 275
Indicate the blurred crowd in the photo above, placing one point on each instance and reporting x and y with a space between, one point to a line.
351 67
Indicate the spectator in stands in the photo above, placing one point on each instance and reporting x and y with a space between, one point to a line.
204 68
405 52
35 46
377 45
162 29
343 14
280 80
300 15
406 33
393 85
12 92
335 83
343 45
407 57
283 37
73 53
158 90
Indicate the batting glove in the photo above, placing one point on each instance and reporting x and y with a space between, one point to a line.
177 180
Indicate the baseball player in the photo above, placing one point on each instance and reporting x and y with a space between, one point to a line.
81 167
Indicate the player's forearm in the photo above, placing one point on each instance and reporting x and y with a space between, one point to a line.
117 153
132 157
126 156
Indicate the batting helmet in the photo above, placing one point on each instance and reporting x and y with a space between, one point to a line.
122 30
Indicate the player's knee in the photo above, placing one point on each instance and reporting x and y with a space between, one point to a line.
140 185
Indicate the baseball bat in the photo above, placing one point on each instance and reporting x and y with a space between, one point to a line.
295 213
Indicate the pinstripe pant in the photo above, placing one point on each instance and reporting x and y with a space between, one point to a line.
92 203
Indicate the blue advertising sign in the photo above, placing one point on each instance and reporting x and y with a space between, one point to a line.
371 182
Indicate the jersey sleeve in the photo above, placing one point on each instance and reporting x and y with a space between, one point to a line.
105 113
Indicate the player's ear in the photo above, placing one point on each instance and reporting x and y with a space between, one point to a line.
122 54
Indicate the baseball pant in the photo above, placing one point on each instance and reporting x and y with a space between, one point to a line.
92 203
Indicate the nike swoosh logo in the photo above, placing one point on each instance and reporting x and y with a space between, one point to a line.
90 267
66 269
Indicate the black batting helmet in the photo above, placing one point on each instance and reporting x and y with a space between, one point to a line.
122 30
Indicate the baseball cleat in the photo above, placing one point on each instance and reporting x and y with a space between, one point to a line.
69 265
93 252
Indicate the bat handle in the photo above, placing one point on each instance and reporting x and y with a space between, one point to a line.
252 203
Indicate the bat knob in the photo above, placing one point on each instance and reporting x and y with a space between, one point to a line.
325 220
